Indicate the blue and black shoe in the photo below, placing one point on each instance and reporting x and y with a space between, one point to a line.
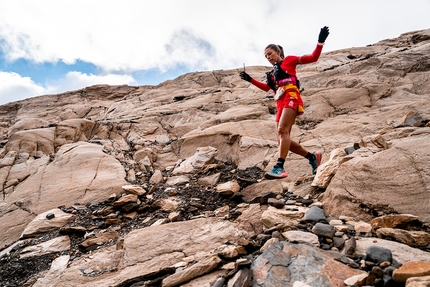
276 173
315 162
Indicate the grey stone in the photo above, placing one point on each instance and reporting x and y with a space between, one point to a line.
243 278
263 198
378 254
314 215
283 263
275 202
349 150
338 242
350 246
325 230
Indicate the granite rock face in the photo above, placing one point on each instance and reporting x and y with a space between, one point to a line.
142 183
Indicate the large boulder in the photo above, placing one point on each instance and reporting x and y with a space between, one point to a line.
285 264
192 238
80 173
196 163
34 142
235 141
394 180
150 250
73 130
13 222
28 124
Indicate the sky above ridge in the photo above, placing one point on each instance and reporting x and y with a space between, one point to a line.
51 46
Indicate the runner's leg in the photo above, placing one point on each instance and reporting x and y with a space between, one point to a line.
297 148
284 126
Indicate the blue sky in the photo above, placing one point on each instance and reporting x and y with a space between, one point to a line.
51 46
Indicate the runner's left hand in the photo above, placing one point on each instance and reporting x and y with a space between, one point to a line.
323 34
244 76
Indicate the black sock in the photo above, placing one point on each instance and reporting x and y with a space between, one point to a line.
309 156
280 162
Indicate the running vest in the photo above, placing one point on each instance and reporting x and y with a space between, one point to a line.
277 74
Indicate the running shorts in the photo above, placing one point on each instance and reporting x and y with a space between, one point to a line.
292 100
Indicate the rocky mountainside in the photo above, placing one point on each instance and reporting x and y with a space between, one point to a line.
163 185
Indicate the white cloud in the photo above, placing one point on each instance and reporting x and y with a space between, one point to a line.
13 88
127 35
137 35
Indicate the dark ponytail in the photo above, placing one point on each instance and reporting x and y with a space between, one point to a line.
282 51
276 48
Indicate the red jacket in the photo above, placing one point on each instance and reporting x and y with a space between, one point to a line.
289 65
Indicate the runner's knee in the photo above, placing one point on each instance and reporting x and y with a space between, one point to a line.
283 131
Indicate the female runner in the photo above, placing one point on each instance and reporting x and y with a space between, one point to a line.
284 83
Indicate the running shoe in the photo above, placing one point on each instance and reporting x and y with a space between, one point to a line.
315 161
276 173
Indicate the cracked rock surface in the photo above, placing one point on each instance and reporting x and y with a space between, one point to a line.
163 185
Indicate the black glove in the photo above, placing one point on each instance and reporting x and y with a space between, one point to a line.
245 76
323 34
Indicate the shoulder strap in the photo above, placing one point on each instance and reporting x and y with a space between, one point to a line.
270 79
